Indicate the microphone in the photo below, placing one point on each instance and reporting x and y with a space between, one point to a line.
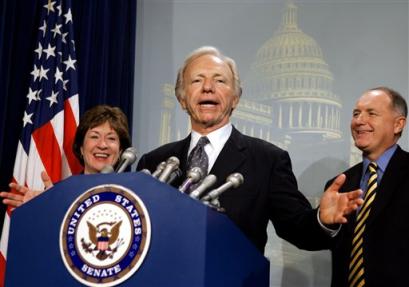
107 169
171 164
207 182
128 157
234 180
174 175
159 169
146 171
193 175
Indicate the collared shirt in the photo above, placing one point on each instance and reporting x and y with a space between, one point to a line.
382 163
217 139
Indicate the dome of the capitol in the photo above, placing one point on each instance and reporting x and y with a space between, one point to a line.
289 74
289 44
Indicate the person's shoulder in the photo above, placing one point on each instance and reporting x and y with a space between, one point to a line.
258 144
353 170
151 159
399 160
168 148
402 154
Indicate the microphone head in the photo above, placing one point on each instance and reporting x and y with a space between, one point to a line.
173 160
236 179
107 169
174 175
209 180
172 163
206 183
159 169
129 154
162 165
195 173
146 171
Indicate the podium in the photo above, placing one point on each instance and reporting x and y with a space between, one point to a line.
190 243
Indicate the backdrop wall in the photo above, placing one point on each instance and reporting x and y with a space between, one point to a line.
303 65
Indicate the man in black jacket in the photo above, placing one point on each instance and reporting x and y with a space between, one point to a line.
208 88
373 248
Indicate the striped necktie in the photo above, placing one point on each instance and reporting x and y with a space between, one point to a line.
357 266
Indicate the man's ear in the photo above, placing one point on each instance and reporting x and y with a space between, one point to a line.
236 101
182 102
400 123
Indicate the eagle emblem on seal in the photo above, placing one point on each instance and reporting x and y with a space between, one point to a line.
104 239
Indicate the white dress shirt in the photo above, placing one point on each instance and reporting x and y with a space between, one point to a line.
217 139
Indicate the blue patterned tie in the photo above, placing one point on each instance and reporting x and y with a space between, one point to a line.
198 158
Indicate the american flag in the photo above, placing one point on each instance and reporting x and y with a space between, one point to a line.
52 113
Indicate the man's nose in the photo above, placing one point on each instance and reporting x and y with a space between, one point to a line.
208 86
360 119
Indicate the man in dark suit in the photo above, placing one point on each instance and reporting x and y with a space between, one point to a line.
373 248
208 88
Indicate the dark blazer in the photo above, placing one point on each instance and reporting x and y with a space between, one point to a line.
269 191
386 238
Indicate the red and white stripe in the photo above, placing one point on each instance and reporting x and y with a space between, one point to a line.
50 151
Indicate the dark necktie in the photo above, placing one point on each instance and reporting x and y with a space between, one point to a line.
198 158
357 266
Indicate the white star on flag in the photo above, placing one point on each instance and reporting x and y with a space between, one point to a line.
27 119
39 50
58 75
56 30
53 98
52 119
50 7
59 8
68 17
69 63
38 94
43 28
64 85
49 51
35 73
43 73
64 35
32 95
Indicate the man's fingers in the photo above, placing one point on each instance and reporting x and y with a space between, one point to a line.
337 183
355 194
342 220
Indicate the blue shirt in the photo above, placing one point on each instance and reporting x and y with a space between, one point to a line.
382 163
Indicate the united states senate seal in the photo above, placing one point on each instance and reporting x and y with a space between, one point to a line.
105 235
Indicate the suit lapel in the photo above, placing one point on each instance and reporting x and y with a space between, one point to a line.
394 174
230 157
353 179
182 153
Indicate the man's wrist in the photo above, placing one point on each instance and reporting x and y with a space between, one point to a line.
331 229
